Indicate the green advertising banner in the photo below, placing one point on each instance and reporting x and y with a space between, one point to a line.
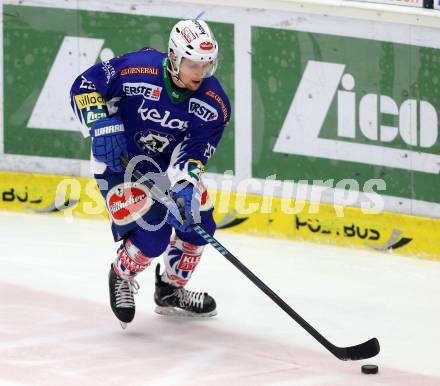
315 99
46 48
333 107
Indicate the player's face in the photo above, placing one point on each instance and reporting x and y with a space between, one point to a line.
192 73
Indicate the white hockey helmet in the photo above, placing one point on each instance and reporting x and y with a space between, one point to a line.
194 40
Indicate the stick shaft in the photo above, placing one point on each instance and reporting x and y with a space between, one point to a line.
361 351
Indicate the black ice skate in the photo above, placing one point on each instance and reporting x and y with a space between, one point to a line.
173 300
122 297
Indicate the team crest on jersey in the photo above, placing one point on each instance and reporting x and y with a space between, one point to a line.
128 202
202 110
152 142
147 90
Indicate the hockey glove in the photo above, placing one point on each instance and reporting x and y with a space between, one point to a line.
188 198
108 142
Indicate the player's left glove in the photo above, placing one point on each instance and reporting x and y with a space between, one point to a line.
188 199
108 142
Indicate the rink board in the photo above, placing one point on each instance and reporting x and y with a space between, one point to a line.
253 214
379 63
60 195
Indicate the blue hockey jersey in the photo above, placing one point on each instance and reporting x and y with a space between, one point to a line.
169 126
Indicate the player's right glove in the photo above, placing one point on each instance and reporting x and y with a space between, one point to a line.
188 198
108 142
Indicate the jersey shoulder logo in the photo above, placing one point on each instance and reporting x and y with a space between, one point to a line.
212 94
202 110
88 100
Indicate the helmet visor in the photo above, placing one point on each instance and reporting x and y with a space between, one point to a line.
197 69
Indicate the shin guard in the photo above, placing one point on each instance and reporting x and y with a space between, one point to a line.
180 260
130 261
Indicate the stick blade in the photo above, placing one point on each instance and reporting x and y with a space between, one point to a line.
365 350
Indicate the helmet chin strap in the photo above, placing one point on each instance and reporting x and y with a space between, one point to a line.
181 81
176 75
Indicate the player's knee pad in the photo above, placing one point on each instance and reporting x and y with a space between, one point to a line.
181 259
130 260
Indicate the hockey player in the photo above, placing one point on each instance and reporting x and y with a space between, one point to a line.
169 112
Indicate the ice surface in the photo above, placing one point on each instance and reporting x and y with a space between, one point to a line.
57 329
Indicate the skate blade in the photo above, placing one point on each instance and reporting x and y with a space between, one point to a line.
173 311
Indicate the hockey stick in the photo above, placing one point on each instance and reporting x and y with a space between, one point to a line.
364 350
